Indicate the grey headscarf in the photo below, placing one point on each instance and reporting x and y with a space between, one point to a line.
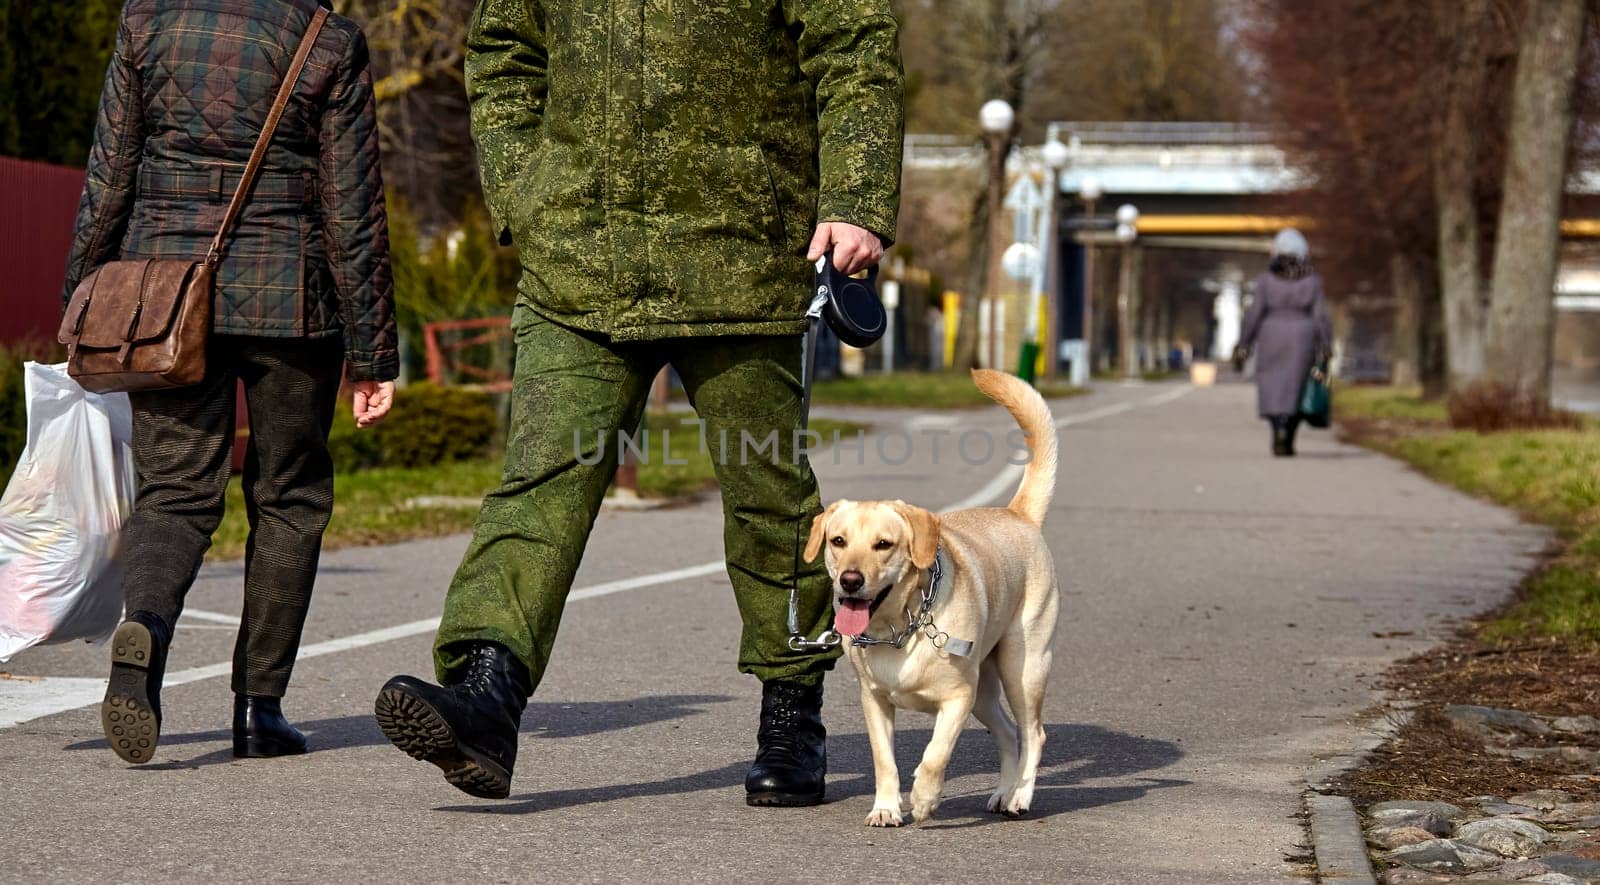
1290 243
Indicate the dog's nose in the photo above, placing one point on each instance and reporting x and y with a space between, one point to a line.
851 581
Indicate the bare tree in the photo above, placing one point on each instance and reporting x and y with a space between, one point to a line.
1521 321
1455 180
417 51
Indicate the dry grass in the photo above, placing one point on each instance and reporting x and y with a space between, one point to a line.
1539 653
1495 408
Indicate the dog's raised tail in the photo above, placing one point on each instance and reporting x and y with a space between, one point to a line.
1032 499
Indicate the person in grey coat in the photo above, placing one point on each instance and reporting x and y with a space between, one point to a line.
1287 326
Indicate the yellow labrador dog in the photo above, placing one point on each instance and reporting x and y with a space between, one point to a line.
944 614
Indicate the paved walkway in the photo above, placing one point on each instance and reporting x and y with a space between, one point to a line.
1226 614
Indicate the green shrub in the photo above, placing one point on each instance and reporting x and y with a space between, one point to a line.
435 282
428 425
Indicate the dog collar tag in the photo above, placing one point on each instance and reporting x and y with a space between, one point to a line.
959 647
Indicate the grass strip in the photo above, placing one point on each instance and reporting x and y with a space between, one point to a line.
921 390
374 506
1548 476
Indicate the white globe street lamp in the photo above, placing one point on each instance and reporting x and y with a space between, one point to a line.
1020 261
1089 189
1055 154
1127 232
996 116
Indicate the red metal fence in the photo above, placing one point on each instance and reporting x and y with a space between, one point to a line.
37 205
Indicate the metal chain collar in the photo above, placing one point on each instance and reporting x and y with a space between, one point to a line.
921 621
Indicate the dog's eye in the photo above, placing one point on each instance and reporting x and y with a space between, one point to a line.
883 544
837 541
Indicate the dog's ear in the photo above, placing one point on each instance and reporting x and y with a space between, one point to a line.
924 533
814 543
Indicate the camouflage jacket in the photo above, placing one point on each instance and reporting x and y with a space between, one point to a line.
661 164
186 95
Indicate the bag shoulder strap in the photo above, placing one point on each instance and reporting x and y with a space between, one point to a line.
252 169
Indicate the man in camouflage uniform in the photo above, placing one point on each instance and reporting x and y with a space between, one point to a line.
667 169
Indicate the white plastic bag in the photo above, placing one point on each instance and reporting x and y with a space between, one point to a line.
61 512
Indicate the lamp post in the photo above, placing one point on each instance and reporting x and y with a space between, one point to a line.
1055 155
997 119
1127 232
1089 191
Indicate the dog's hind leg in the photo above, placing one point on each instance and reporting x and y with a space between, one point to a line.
992 713
947 725
879 714
1024 658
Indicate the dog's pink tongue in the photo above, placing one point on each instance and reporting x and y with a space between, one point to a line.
851 617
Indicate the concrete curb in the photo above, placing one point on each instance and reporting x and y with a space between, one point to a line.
1336 840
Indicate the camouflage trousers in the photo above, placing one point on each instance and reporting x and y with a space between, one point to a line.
572 393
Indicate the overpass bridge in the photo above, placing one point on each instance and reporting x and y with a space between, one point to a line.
1210 197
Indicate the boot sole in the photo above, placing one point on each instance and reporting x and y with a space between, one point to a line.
422 733
783 800
126 715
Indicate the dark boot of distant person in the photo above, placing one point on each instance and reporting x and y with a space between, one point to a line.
1280 436
791 747
260 731
131 711
468 726
1290 425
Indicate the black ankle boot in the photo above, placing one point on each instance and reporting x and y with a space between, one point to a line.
131 711
468 727
791 747
261 732
1288 436
1280 438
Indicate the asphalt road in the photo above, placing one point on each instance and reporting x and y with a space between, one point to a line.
1225 616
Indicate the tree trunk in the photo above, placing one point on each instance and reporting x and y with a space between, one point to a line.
1432 361
983 274
1455 193
1521 325
965 354
1405 335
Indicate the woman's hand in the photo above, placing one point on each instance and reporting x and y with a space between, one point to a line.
854 248
372 401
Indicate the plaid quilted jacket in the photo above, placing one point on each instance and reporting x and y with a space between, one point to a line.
662 164
186 96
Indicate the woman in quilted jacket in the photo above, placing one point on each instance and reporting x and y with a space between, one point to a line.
303 301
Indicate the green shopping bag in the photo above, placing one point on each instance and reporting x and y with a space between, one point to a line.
1316 398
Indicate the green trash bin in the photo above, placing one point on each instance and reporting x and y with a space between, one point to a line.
1029 359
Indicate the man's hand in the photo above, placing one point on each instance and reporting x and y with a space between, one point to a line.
854 248
372 401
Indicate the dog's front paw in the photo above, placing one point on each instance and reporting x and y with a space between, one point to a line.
923 805
884 817
1010 803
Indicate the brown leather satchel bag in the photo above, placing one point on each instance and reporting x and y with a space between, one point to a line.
143 324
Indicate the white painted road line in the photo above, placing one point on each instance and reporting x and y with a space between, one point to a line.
215 617
22 700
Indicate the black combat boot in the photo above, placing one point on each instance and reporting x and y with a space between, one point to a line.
260 731
791 747
1290 425
468 727
131 711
